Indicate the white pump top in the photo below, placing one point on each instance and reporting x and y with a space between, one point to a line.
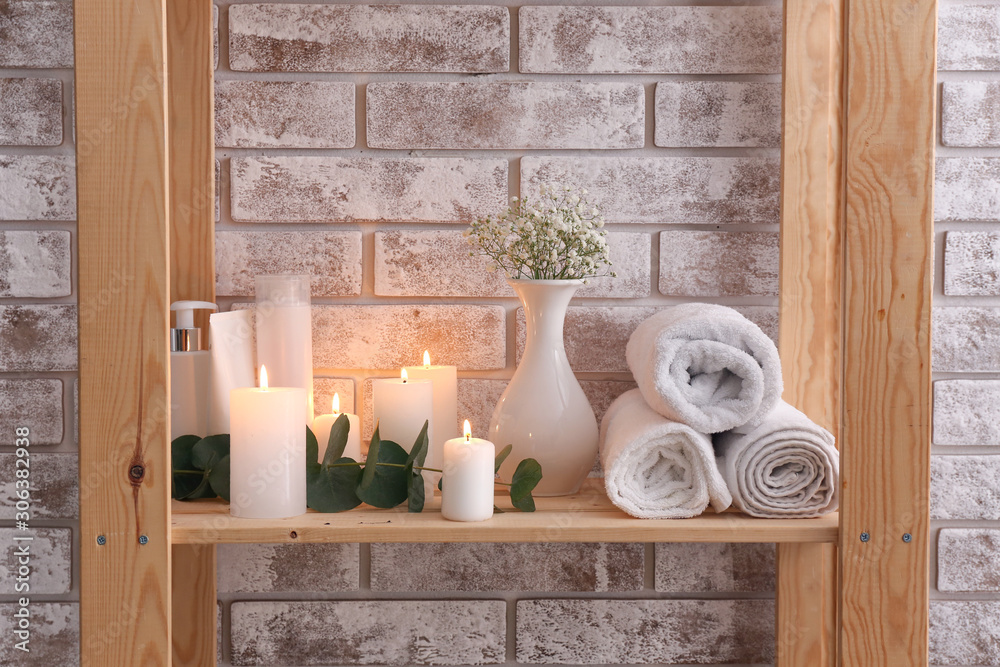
185 337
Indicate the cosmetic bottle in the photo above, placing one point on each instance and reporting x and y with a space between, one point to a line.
190 372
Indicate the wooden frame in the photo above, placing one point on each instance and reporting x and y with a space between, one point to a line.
857 187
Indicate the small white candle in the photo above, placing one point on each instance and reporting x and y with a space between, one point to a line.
445 382
467 483
400 407
268 451
324 424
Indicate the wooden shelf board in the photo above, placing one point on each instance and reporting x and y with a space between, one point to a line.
585 517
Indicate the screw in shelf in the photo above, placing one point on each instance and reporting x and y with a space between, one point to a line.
865 537
143 539
907 537
101 540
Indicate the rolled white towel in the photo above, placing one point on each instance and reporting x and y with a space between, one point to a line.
655 468
787 466
705 365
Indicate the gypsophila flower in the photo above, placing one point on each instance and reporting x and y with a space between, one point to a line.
559 237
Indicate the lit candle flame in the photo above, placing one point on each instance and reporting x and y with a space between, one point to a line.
263 377
336 403
467 429
427 358
403 375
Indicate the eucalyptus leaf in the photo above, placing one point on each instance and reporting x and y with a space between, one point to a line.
389 484
337 442
373 451
209 450
526 477
415 492
332 488
501 457
219 477
419 450
183 483
312 448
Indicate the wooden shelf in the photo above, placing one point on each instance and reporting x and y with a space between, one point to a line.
585 517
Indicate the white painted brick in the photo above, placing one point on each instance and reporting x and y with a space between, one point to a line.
685 40
54 483
51 560
501 567
38 338
718 263
438 263
30 112
35 264
965 633
287 568
55 634
666 190
37 187
972 263
36 34
967 188
369 38
34 403
385 632
965 487
285 114
968 37
966 339
967 560
969 113
333 259
328 189
588 632
718 114
325 388
724 568
390 337
596 336
967 412
505 115
766 317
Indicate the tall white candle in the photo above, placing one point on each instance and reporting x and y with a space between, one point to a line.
284 332
267 451
467 482
324 424
400 407
445 382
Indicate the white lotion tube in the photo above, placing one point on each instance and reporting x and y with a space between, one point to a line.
232 350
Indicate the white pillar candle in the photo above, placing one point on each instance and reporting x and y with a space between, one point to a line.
445 382
400 407
284 332
467 482
324 424
267 451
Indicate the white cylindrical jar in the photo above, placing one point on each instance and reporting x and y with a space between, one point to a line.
284 332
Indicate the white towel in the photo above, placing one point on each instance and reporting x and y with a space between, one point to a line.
706 366
655 468
785 467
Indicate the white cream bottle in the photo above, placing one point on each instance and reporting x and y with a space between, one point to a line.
190 372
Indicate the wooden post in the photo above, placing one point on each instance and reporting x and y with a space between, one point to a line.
889 186
810 277
192 276
121 110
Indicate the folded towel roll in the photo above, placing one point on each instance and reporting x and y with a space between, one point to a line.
655 468
705 365
785 467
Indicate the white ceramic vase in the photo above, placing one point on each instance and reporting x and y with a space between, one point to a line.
543 412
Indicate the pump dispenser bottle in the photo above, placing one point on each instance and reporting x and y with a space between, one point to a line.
190 372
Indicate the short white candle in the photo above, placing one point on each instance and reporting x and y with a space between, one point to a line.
267 451
467 483
445 382
284 332
324 424
400 407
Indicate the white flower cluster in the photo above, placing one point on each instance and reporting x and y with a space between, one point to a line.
559 237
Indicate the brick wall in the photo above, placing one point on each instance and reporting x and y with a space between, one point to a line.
355 143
